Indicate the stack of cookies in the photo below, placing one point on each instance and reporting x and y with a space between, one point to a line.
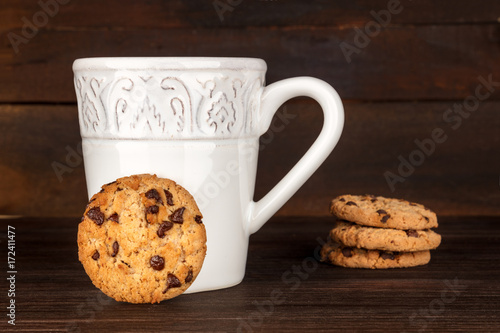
377 232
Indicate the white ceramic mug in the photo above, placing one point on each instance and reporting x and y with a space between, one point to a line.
197 121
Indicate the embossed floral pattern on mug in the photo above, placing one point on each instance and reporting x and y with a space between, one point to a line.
138 104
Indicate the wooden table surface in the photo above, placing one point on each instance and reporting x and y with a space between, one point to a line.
284 290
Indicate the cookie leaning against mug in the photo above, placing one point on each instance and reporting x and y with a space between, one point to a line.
383 212
141 239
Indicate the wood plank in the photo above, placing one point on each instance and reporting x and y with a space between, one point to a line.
34 137
157 14
460 177
457 291
401 63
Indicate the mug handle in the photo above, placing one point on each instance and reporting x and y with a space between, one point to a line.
273 96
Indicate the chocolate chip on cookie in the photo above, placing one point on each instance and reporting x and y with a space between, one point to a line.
170 197
387 255
157 263
189 276
153 194
177 217
96 215
172 282
164 227
152 209
385 218
116 247
114 217
347 252
412 233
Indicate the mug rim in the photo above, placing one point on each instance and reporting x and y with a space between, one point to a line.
169 63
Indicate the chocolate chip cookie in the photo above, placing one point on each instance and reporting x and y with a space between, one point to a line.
142 239
341 255
371 238
383 212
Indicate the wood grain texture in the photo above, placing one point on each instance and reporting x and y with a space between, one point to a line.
396 90
285 289
401 63
155 14
35 142
461 176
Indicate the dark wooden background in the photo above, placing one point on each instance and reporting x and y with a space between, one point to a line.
395 90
